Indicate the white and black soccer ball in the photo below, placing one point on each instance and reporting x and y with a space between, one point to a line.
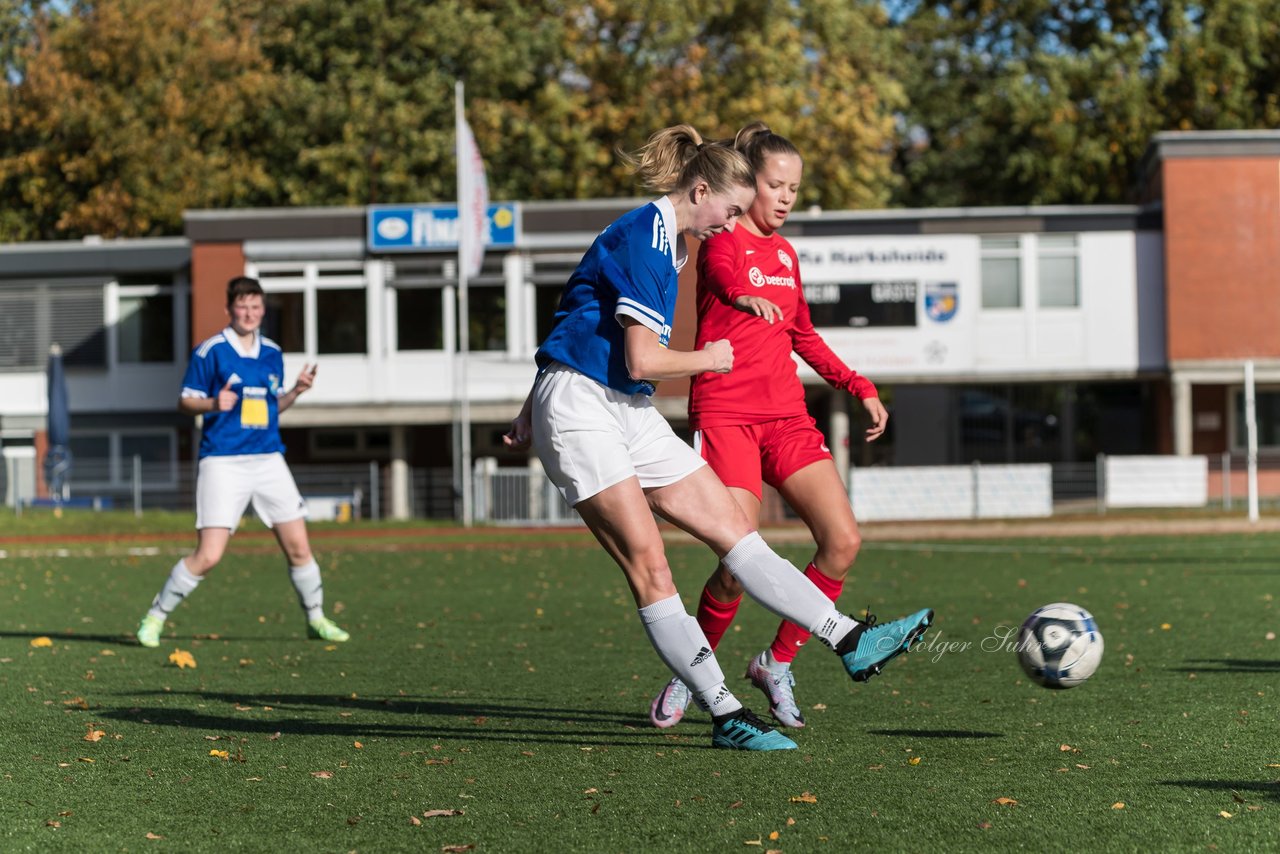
1059 645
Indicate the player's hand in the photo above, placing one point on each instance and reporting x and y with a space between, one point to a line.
759 306
226 399
879 418
721 356
306 378
520 435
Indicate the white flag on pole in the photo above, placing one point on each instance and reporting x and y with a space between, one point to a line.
473 198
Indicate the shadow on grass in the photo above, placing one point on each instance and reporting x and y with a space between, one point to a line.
118 639
464 719
1269 789
935 733
1230 665
127 638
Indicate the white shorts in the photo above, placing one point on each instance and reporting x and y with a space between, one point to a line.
590 437
226 485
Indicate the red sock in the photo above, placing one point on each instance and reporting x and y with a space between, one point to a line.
791 637
715 616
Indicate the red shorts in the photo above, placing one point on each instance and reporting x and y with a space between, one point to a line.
745 454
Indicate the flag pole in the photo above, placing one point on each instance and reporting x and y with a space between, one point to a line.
464 313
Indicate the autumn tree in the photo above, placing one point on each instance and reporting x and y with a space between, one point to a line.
127 113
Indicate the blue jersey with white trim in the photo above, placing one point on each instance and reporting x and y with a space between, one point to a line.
630 270
252 425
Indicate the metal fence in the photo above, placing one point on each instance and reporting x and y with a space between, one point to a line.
524 495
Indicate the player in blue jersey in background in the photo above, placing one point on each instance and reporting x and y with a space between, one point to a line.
234 380
617 461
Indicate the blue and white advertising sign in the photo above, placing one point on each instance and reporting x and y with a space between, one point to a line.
434 228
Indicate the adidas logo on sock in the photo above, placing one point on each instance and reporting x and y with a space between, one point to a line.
703 655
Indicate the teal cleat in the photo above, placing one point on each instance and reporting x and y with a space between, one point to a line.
869 647
322 628
745 731
149 631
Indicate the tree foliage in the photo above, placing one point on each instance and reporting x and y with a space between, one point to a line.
117 116
124 114
1056 101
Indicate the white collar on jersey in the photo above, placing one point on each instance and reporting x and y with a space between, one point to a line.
234 340
668 211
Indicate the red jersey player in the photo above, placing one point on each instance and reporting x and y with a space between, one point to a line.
752 424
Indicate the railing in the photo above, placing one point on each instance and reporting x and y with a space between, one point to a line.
524 495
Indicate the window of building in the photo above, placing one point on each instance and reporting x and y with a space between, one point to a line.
350 444
144 325
341 324
548 276
1059 265
34 315
1001 272
285 321
1267 408
318 307
419 318
104 459
420 288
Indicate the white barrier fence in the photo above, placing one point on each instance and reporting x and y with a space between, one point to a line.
1156 481
952 492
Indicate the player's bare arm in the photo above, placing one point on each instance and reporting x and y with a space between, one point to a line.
306 379
647 359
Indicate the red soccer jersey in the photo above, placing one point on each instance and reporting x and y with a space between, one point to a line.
764 384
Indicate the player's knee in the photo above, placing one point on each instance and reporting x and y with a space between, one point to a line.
840 551
651 574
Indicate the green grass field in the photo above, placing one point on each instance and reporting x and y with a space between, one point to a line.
507 678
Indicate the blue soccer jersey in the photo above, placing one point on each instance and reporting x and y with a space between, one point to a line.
251 426
630 270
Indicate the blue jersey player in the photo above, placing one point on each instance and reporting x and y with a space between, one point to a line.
613 456
234 380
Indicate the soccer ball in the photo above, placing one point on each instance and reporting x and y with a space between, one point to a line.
1059 645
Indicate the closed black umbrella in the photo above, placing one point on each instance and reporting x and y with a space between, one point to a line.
57 460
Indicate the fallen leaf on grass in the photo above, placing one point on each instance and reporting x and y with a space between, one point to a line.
94 734
591 791
804 798
914 760
78 702
790 821
41 641
759 842
52 823
1005 802
1253 807
244 708
85 759
442 813
182 659
1118 805
984 825
456 849
773 835
526 753
357 745
736 804
1225 814
415 821
322 775
221 754
151 835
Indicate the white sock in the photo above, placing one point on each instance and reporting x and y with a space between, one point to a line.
177 587
776 584
680 643
306 581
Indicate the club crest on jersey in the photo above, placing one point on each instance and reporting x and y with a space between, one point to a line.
941 299
273 384
664 337
785 259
